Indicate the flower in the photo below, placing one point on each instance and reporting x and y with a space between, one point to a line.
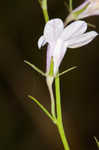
86 9
60 38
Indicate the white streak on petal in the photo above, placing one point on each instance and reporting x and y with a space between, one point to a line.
74 29
41 42
58 55
53 29
82 39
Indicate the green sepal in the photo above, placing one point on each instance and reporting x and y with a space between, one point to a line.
77 13
51 72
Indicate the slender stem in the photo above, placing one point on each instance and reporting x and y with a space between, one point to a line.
62 135
49 81
58 101
70 5
59 115
43 4
45 12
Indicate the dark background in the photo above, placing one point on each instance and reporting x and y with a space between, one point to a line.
23 126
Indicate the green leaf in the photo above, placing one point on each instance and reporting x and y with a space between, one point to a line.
70 69
42 108
77 13
91 25
35 68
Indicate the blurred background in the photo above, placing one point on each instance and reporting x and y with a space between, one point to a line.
23 126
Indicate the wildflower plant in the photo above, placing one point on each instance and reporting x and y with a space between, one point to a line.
58 39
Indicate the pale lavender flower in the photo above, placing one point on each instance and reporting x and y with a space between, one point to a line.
86 9
60 38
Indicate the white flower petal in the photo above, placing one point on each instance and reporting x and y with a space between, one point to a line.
74 29
82 39
58 54
41 42
53 29
59 39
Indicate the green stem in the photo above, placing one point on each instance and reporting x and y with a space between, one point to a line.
70 5
49 81
62 136
45 12
43 4
59 115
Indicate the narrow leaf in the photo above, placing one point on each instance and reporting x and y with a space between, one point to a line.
70 69
35 68
42 108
